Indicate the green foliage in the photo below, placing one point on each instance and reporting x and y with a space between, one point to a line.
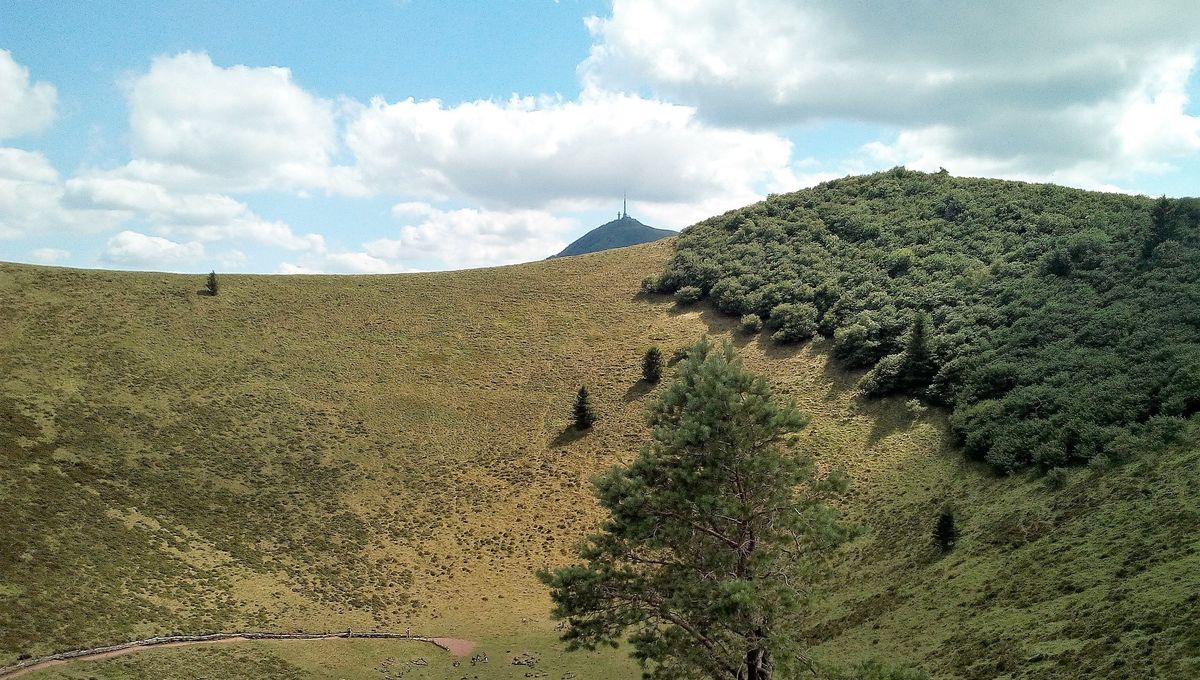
688 295
708 544
652 284
886 377
1048 320
652 366
582 414
750 324
793 322
1056 478
945 530
210 286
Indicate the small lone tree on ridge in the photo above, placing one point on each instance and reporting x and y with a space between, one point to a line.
652 365
211 285
582 415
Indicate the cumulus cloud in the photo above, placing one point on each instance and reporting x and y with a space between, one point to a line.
198 125
346 262
1035 87
200 217
471 237
130 248
50 255
31 199
25 106
553 153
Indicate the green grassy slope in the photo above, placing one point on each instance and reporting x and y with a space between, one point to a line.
323 452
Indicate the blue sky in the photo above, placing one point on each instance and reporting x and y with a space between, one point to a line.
382 136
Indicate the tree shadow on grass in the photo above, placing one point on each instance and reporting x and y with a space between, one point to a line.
840 379
637 390
888 415
567 436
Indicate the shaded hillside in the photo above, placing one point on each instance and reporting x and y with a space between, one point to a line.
1058 325
621 232
387 451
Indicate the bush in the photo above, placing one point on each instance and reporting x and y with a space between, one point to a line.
855 345
793 322
652 285
582 415
652 365
1056 478
750 324
688 295
210 286
885 378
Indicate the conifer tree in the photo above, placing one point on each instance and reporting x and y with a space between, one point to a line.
211 285
945 532
652 365
918 357
710 534
582 414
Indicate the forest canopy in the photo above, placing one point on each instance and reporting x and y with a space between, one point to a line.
1057 325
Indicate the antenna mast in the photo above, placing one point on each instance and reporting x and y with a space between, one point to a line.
624 205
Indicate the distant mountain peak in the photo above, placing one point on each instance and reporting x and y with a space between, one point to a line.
621 232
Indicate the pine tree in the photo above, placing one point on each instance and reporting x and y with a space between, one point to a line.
211 285
582 414
1162 223
918 357
652 365
945 532
711 532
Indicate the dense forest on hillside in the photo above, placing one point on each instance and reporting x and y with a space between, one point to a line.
1057 325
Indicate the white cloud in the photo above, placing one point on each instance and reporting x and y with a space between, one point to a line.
343 263
50 255
553 153
471 237
1090 90
25 107
197 125
130 248
200 217
1138 133
31 199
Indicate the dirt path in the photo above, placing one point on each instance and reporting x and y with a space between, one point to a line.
454 646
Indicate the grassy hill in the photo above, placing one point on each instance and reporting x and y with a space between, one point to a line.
391 451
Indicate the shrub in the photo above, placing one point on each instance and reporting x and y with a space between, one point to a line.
885 377
652 365
729 296
915 408
688 295
582 415
793 322
750 324
210 286
652 285
1056 478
